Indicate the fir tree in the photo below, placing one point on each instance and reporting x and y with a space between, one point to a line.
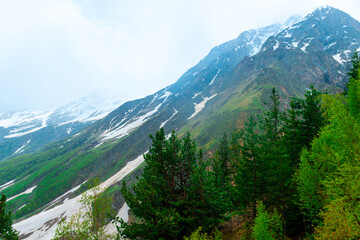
249 182
313 115
220 174
173 197
6 230
353 71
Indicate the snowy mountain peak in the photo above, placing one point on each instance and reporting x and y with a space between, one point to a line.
291 20
325 29
324 9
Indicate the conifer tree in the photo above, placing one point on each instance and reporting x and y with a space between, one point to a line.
293 131
173 197
220 174
249 182
6 230
312 114
353 71
277 172
353 97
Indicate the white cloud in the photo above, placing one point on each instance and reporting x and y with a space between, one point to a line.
53 51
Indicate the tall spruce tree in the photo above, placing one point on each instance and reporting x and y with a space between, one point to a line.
6 230
173 197
278 172
353 97
220 174
313 115
249 180
293 131
353 71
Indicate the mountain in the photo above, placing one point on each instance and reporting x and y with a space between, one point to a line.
27 131
215 96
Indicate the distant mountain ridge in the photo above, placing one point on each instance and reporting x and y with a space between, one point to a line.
215 96
27 131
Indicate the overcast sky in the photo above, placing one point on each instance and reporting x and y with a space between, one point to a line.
55 51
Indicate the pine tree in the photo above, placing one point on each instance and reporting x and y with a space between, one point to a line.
220 174
353 71
6 230
293 131
313 115
277 172
249 182
174 196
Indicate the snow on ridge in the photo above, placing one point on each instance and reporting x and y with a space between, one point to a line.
212 81
22 128
34 226
201 105
27 191
44 119
166 95
259 39
20 119
163 123
21 149
287 35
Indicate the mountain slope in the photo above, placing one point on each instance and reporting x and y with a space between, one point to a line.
214 96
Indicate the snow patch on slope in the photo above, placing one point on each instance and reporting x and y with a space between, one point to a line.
337 58
125 129
276 45
38 227
163 123
22 148
329 46
6 185
212 81
196 94
201 105
123 214
27 191
22 118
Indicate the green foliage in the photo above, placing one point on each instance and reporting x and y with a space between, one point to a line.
199 235
174 196
89 221
341 215
6 230
267 225
220 174
353 71
353 97
327 171
249 182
